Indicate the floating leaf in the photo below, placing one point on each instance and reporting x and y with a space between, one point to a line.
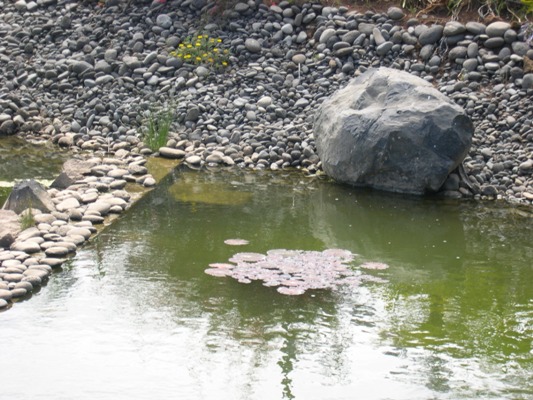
236 242
217 272
374 265
247 257
292 291
222 265
295 271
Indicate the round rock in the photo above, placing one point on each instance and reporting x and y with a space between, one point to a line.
252 45
497 29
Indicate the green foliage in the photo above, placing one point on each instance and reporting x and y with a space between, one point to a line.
157 127
26 219
486 8
202 49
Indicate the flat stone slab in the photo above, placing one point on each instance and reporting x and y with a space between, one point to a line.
13 277
52 262
27 247
57 251
86 233
5 294
37 272
67 204
169 152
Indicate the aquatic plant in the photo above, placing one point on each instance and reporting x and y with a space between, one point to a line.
294 272
201 49
188 191
27 219
157 127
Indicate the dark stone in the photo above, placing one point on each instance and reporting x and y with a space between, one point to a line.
391 131
7 128
73 170
29 194
431 35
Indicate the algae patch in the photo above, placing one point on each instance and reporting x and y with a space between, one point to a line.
212 193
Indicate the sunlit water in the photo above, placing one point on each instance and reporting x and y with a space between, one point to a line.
133 316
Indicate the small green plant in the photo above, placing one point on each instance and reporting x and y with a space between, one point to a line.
157 128
26 219
202 49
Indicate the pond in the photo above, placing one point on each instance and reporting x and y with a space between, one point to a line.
21 159
134 316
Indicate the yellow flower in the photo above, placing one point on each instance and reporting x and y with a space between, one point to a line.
211 60
198 58
189 46
198 44
215 50
200 36
224 63
187 56
219 40
181 46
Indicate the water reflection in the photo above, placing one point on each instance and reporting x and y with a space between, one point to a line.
135 312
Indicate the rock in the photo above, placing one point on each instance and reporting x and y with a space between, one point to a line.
73 170
29 194
7 128
475 28
56 251
497 29
168 152
391 131
193 113
395 13
453 28
252 45
27 247
264 101
9 227
13 277
527 81
3 303
5 294
67 204
431 35
79 67
193 160
101 206
19 292
164 21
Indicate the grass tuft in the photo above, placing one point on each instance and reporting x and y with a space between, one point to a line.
26 219
157 127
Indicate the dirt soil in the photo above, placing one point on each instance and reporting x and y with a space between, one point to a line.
431 15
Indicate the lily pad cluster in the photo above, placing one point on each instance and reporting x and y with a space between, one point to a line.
293 272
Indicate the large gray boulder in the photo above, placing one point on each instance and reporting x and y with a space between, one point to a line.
391 131
29 194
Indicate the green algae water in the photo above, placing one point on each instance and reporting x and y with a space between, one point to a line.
20 159
133 315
